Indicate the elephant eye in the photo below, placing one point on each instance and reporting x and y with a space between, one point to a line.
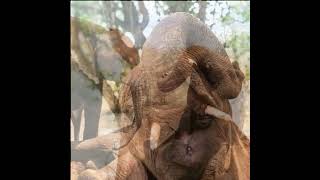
203 121
164 75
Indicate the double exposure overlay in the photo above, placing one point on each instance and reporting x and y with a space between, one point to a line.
160 90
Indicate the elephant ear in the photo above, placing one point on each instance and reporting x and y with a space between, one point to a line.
82 52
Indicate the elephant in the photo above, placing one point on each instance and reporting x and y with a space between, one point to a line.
97 55
176 105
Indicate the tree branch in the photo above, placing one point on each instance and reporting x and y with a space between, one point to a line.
202 10
120 22
145 14
131 21
130 15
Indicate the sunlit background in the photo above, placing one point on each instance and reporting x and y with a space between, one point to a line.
229 20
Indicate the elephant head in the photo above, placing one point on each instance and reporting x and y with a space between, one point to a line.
183 65
98 50
179 99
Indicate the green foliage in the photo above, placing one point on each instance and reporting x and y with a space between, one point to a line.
88 27
235 14
242 11
240 44
247 72
178 6
227 19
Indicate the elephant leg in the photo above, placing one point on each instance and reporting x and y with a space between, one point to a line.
125 167
92 110
76 121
